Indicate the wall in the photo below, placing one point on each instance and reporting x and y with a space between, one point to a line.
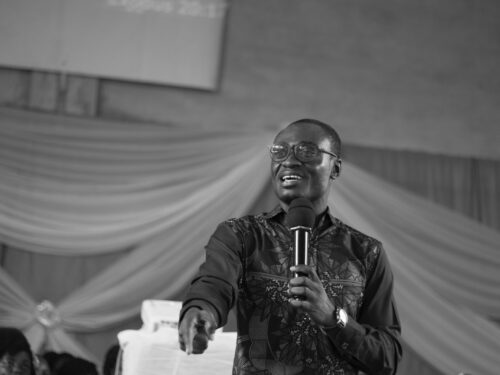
417 75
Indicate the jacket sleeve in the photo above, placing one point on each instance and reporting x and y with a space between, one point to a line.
371 341
215 286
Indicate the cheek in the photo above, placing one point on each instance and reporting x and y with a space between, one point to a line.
274 169
321 173
321 181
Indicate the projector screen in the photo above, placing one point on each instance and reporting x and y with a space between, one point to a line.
173 42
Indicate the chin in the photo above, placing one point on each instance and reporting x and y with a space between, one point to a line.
288 196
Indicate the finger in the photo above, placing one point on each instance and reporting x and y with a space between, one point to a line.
206 323
296 281
182 336
200 343
303 305
304 270
183 341
300 268
209 329
304 282
313 275
181 344
189 336
298 291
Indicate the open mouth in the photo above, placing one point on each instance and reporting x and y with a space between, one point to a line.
290 178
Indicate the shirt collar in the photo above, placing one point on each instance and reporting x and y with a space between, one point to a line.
325 221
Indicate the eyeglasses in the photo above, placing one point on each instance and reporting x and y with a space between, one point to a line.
305 152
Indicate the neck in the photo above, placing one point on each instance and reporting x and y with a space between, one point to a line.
318 207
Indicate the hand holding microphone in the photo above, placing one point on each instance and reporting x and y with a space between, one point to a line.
300 220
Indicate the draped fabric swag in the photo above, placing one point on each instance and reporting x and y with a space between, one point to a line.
78 187
465 184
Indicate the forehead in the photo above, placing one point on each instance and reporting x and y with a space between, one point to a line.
303 132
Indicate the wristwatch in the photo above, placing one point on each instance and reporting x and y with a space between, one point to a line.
341 317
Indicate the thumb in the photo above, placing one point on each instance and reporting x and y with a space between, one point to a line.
209 324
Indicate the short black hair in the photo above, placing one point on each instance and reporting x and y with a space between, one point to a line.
330 132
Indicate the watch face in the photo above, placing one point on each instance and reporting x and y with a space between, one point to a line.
342 317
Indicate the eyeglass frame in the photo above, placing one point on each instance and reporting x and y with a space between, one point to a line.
292 148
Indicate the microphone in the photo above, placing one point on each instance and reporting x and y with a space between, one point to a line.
300 220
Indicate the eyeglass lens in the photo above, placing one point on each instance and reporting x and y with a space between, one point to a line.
303 151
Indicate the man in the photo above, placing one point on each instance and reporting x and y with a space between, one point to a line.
345 319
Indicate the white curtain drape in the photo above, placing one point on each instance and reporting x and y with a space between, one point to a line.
74 187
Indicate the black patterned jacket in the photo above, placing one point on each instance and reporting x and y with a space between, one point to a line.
247 264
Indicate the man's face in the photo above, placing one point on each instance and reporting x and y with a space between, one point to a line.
18 364
292 178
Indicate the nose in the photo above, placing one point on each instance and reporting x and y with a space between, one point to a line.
291 159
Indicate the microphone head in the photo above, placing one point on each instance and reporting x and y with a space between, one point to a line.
301 213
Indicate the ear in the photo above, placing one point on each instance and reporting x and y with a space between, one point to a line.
337 167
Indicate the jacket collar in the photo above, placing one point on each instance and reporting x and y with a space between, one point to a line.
326 220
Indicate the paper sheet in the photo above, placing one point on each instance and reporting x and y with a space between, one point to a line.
156 353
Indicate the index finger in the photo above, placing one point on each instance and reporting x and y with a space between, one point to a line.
307 270
187 331
189 337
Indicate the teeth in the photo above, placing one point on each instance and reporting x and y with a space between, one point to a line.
291 177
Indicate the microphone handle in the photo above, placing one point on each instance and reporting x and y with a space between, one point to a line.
301 246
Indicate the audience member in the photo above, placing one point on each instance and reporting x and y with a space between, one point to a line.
16 356
110 360
41 365
56 360
78 366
